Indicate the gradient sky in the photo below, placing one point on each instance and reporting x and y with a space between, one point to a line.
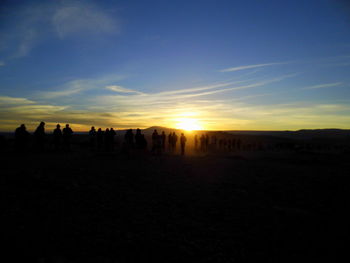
221 65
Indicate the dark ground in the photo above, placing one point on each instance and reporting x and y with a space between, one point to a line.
237 207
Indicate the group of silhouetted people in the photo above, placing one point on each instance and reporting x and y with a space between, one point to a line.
99 140
61 138
102 139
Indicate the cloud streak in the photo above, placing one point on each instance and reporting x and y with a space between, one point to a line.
325 85
251 66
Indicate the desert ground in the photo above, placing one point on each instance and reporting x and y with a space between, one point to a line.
237 206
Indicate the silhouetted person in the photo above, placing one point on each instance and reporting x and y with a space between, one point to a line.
112 134
129 139
155 141
202 141
163 139
206 142
67 135
196 142
138 139
21 138
174 141
92 137
57 137
239 144
99 137
183 143
107 140
39 136
170 142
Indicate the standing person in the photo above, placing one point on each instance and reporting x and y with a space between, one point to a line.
107 140
163 138
170 142
21 138
128 141
183 143
174 141
39 136
138 139
196 142
154 141
92 136
67 135
57 137
99 137
112 134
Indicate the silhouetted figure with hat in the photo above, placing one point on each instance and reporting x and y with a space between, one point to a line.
21 138
67 136
57 137
92 137
183 143
39 136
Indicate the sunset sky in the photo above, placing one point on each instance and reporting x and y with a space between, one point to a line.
217 65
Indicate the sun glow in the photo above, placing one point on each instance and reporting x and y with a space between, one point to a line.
188 124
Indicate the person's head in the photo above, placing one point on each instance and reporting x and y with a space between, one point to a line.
23 126
182 134
107 130
99 129
112 129
92 128
67 125
42 123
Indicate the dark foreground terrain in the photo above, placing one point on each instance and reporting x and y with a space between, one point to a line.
236 207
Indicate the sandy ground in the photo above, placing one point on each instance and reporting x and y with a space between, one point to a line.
85 206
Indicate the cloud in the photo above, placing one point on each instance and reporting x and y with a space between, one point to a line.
77 17
32 23
6 101
2 63
77 86
326 85
120 89
251 66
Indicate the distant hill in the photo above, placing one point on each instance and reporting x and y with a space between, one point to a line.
300 134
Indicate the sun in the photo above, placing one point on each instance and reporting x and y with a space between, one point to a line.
188 124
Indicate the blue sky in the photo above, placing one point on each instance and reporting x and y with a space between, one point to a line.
223 65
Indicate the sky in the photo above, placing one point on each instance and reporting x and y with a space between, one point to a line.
215 65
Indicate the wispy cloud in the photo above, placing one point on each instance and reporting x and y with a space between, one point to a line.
77 86
120 89
33 23
2 63
325 85
6 100
78 17
251 66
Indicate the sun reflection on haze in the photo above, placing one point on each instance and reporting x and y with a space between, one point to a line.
188 124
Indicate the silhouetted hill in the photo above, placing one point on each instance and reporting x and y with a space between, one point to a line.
300 134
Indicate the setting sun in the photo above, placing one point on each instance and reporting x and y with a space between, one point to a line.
188 124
